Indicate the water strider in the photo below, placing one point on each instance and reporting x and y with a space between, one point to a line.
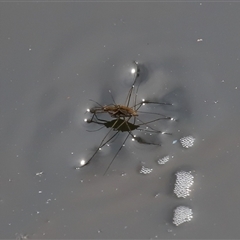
124 118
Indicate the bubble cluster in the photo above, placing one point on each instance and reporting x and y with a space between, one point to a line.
163 160
184 180
145 170
187 142
182 214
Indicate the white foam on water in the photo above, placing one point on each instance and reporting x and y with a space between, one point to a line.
187 142
145 170
184 180
182 214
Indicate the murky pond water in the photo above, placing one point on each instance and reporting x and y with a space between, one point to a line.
58 56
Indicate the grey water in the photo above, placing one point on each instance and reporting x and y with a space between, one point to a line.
55 57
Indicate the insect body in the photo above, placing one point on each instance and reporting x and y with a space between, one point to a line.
124 118
116 111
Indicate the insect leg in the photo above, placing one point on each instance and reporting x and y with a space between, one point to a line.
102 144
146 124
132 87
116 154
139 139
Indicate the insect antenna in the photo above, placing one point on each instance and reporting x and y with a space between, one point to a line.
96 102
112 97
